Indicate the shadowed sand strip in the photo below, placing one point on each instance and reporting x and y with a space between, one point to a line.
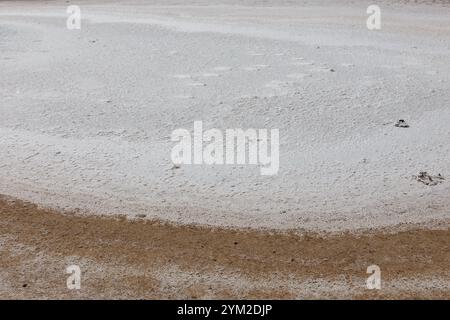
120 258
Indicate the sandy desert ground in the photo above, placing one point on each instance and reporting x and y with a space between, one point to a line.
87 178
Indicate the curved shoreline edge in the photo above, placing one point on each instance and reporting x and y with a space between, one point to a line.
122 258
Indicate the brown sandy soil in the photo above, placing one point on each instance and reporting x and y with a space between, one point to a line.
120 258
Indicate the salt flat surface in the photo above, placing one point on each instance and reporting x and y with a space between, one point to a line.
86 115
